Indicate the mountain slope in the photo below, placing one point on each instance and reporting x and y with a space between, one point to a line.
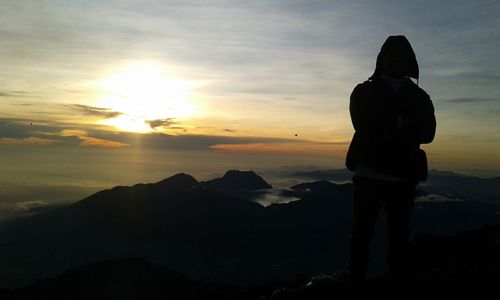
464 266
208 234
238 180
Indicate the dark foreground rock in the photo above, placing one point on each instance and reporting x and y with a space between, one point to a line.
464 266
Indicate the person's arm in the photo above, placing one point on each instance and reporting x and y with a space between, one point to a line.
418 127
426 124
366 116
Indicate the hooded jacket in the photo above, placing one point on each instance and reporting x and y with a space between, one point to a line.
397 43
390 126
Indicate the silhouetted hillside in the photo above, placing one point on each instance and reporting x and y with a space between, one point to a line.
130 278
464 266
444 183
198 231
187 227
208 234
331 174
120 279
239 180
468 262
313 186
179 181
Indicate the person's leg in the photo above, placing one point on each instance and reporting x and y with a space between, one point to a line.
366 205
399 206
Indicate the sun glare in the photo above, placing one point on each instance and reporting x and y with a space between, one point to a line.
143 92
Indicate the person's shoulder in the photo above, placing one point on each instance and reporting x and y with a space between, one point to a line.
363 87
420 92
367 84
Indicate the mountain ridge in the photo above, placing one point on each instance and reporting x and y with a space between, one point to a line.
237 180
205 233
442 267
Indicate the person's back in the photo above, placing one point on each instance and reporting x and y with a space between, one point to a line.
391 116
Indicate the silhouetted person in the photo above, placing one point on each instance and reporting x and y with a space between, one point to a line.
391 116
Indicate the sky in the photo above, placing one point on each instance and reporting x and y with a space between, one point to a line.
99 93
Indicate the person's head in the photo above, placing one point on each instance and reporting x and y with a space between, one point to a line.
396 59
395 63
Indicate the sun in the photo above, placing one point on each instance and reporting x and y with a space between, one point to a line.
142 92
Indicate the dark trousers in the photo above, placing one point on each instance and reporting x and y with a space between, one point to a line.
369 196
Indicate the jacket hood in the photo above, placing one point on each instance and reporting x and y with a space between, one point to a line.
399 43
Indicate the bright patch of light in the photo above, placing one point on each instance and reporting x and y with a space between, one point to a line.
144 92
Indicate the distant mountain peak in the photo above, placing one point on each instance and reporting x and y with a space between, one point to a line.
316 185
180 180
233 173
237 180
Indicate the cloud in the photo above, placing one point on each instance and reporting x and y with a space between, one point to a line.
71 132
14 94
160 123
88 141
480 78
95 111
27 141
23 128
438 198
26 206
196 142
284 148
203 142
467 100
24 132
104 137
23 104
